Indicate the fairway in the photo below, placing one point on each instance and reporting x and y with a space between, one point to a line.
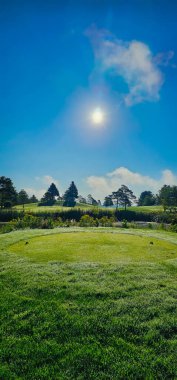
88 304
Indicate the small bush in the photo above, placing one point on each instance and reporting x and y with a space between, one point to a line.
46 223
124 223
106 222
6 228
87 221
173 228
29 221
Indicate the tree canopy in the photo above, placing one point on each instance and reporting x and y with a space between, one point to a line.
70 195
123 196
23 197
7 192
168 196
108 201
147 198
53 190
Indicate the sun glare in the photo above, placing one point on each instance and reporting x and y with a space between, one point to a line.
97 116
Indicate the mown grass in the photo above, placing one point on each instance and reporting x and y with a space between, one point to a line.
146 208
33 207
89 304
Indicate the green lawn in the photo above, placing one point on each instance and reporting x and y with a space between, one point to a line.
146 208
33 207
89 304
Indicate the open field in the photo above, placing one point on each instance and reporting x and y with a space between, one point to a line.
35 208
89 304
146 208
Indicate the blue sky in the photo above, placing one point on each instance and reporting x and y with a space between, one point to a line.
60 61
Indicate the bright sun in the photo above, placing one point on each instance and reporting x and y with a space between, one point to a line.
97 116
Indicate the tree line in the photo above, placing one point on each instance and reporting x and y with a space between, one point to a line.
122 197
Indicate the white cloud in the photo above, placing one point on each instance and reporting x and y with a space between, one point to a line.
133 61
47 180
37 192
100 186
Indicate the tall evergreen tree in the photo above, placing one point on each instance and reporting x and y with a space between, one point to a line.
23 198
53 190
33 199
48 198
70 195
7 191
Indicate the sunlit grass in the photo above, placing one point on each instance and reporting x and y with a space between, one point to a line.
35 208
56 207
89 304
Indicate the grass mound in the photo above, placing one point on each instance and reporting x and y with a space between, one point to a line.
89 305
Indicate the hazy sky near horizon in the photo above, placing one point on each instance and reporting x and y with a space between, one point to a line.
61 61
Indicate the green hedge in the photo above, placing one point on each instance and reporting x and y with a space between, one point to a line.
76 214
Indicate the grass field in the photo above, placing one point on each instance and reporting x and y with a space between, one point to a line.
89 304
35 208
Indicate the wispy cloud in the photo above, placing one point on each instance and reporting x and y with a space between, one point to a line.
133 61
100 186
44 182
37 192
47 180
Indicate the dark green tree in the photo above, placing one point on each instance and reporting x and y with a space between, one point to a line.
23 198
53 190
127 197
108 201
33 199
70 195
116 196
7 191
48 198
168 196
124 196
146 199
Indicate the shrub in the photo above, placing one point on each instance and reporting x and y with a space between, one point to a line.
173 228
87 221
124 223
31 221
106 222
46 223
6 228
150 226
